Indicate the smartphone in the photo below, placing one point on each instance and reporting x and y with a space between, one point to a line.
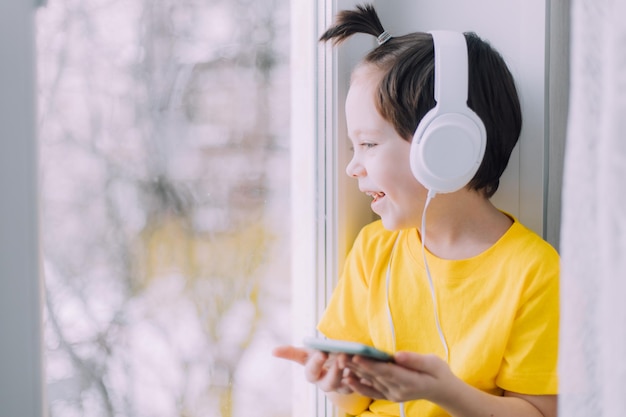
351 348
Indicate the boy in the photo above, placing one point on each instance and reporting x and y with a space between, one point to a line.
470 306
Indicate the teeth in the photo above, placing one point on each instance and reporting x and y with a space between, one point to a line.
375 195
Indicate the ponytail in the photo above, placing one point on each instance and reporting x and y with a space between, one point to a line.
362 20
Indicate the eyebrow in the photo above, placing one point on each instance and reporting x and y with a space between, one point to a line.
366 132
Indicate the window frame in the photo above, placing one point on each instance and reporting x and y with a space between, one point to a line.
21 362
323 198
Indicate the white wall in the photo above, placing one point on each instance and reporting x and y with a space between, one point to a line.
20 290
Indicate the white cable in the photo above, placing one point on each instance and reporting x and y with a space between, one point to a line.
393 330
431 195
388 280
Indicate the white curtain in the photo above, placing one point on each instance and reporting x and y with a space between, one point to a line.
592 361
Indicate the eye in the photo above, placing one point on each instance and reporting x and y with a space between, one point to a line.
367 145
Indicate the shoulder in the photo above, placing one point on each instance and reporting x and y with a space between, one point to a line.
528 246
530 259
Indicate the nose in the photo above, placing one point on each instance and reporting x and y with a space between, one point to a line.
354 168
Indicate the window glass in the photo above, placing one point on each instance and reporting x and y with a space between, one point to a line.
164 152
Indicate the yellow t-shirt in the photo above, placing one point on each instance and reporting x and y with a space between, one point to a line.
499 310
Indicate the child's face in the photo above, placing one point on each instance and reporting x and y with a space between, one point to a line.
381 157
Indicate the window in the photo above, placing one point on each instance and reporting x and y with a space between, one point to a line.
165 198
135 161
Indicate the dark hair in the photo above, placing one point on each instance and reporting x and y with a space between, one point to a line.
406 90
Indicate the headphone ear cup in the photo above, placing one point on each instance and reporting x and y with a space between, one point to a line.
447 150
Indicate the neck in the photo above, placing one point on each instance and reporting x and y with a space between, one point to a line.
463 225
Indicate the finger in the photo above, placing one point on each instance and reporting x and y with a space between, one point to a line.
315 367
370 369
364 387
291 353
386 378
332 379
342 359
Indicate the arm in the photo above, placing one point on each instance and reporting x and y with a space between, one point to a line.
327 372
415 376
467 401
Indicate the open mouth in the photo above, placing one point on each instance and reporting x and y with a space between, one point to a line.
375 195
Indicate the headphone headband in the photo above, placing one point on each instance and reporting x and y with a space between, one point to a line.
451 70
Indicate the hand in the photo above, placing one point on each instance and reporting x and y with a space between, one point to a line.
328 372
411 376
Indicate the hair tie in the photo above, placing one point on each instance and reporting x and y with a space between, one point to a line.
383 37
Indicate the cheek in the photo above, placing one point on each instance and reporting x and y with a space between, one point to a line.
399 169
400 182
411 184
411 187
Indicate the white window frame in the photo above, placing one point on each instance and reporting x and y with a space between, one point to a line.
21 382
321 194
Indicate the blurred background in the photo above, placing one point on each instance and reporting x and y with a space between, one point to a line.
164 151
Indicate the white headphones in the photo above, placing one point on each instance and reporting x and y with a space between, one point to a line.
449 143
